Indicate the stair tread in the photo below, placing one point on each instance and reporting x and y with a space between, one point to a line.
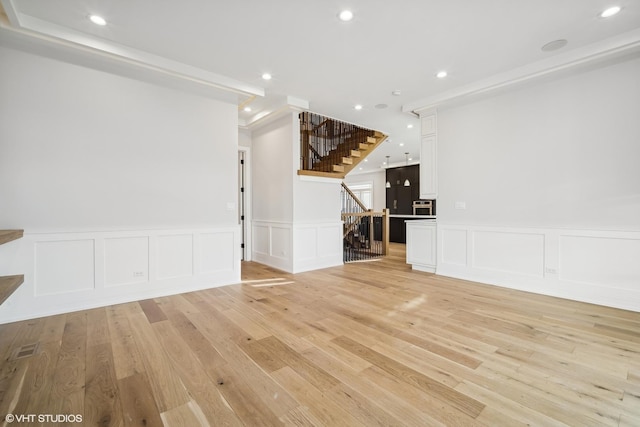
8 284
9 235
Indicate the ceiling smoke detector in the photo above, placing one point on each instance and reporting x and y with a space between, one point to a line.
554 45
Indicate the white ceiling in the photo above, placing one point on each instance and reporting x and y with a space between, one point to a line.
334 65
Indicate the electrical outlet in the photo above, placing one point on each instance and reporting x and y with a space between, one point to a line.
138 274
461 205
551 271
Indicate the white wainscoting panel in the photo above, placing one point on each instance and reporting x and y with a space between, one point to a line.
454 246
70 271
306 243
509 252
272 242
126 260
603 261
297 247
175 256
215 255
261 239
64 267
317 245
595 266
281 242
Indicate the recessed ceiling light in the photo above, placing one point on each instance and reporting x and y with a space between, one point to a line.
266 76
410 159
358 107
346 15
366 160
409 126
554 45
247 109
360 169
401 144
441 74
611 11
98 20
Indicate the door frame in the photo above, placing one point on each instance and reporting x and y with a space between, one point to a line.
247 200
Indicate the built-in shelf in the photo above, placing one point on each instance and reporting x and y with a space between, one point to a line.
8 284
9 235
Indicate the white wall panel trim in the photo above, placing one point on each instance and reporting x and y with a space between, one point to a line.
80 270
311 246
595 266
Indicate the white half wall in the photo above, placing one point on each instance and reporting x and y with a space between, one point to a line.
296 224
599 267
66 272
295 248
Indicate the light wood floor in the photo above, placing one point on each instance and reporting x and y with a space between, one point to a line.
358 345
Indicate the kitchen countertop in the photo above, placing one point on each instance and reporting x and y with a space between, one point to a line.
412 216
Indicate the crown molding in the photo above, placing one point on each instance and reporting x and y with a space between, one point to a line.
34 35
590 56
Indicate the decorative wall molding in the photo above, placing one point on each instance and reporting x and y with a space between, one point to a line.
594 266
69 271
298 247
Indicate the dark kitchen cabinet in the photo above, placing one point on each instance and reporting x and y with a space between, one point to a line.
400 198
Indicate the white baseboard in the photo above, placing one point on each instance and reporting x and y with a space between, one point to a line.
593 266
73 271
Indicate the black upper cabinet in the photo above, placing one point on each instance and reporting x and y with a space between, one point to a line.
400 198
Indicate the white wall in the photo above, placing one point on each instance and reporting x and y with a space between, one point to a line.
378 179
87 156
272 170
82 149
296 223
550 177
244 138
560 154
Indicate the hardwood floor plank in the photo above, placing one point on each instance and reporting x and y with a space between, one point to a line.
201 387
249 390
152 310
188 415
319 405
40 370
388 399
127 359
358 344
139 408
168 391
67 390
438 390
102 406
286 356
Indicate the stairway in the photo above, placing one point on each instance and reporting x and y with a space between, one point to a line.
8 284
332 148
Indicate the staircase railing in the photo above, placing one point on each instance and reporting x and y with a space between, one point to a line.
365 232
324 142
